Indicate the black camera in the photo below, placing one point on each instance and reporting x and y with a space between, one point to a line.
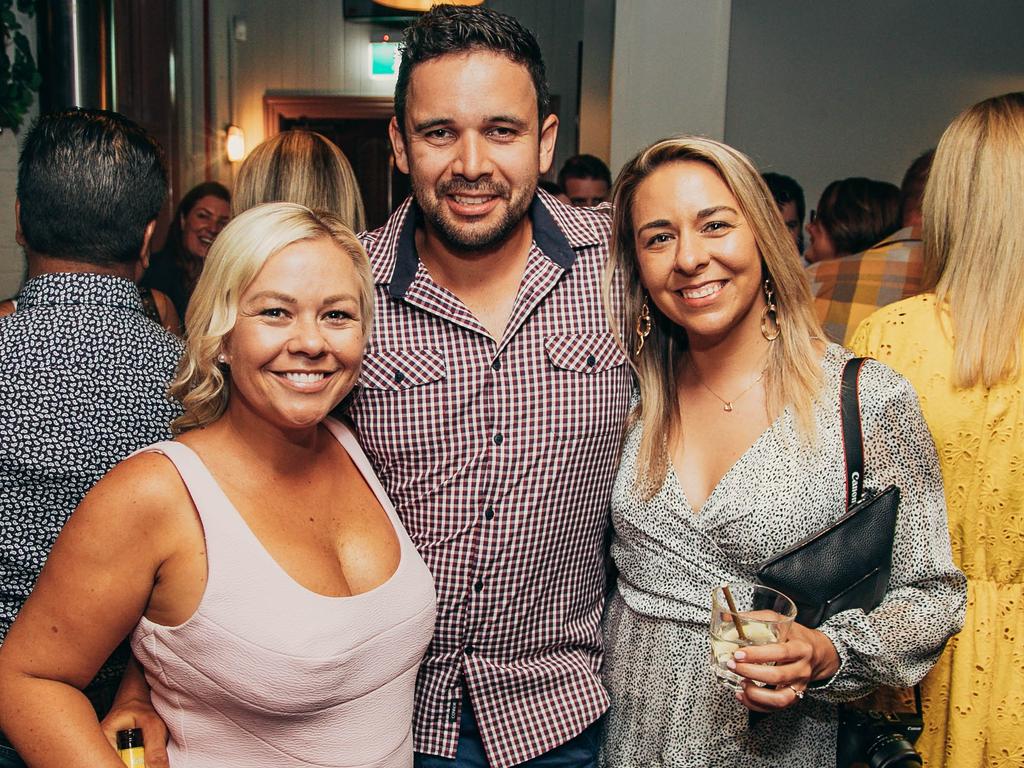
878 739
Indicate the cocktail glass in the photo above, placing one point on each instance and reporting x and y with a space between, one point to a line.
758 615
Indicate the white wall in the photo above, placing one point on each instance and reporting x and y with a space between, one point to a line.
670 72
596 78
12 263
558 26
828 89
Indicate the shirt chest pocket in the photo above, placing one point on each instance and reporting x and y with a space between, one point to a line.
402 370
589 389
400 408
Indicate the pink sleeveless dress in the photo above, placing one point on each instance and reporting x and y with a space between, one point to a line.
268 673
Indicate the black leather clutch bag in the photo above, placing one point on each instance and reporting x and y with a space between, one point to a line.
848 564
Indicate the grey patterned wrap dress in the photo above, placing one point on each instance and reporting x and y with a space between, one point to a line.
667 708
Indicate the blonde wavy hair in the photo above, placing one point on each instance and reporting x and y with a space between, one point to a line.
974 238
793 376
234 260
300 167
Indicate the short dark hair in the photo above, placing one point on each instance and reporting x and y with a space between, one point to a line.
584 167
914 180
858 212
550 187
89 181
785 190
446 29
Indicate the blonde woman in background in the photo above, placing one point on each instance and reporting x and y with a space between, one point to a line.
300 167
275 601
962 346
733 455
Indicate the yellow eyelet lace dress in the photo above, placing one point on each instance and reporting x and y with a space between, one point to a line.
974 698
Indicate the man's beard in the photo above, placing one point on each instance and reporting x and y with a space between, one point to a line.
470 239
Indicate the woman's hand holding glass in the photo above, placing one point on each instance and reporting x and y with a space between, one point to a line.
777 675
760 651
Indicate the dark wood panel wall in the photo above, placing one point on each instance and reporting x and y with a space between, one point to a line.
144 44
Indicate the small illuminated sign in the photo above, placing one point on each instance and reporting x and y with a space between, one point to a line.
384 60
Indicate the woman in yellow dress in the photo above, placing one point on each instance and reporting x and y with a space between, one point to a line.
962 347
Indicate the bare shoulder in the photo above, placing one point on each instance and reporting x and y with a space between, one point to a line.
162 301
143 491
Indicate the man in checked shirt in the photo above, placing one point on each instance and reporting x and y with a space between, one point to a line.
492 399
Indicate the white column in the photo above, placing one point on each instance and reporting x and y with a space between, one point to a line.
670 72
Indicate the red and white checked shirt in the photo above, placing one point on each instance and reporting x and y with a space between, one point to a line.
500 458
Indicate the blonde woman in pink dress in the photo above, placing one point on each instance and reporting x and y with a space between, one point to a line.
275 602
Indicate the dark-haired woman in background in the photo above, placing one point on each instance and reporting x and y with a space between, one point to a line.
852 215
201 215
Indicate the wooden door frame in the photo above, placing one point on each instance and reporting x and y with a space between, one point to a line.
293 107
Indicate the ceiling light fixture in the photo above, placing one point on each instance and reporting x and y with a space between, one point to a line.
423 5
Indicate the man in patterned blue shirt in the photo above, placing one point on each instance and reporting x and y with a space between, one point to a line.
83 373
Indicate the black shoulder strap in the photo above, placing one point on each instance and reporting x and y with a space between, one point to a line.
853 441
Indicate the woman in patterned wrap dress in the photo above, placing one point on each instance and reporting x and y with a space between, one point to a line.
734 453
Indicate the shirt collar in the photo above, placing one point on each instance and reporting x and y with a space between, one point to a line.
79 288
901 235
558 230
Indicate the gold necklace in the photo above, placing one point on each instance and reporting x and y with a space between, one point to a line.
727 404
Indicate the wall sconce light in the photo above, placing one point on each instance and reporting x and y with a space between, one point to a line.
234 144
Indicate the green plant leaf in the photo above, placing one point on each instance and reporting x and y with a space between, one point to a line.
18 79
22 44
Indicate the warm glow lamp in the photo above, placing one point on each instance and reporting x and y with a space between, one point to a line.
234 144
423 5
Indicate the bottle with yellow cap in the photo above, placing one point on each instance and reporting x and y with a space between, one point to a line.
130 748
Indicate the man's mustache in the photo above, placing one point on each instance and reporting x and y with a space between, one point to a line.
456 187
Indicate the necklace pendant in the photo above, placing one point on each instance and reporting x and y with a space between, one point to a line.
727 408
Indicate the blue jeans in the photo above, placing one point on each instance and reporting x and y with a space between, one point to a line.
578 752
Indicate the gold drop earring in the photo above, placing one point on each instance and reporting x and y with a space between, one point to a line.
643 327
770 327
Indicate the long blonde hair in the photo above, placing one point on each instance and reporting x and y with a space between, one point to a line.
300 167
793 376
974 238
234 260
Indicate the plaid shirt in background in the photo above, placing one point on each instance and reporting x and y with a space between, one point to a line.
849 289
500 457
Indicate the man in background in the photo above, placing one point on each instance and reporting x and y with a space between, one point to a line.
586 181
83 373
789 197
848 289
